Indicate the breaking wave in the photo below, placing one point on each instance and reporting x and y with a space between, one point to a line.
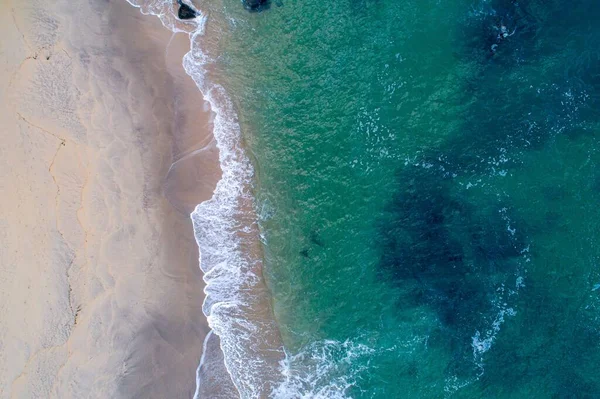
225 228
324 369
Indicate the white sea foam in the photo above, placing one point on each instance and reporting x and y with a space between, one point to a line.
232 277
324 369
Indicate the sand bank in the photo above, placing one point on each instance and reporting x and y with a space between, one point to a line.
106 148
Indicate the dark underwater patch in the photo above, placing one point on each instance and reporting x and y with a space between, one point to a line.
501 31
256 5
446 254
360 5
509 109
304 252
316 239
451 252
557 345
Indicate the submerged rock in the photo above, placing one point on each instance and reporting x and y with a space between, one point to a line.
185 11
256 5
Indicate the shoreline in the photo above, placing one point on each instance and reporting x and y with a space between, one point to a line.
238 302
100 177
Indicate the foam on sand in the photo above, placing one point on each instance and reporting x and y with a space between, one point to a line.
101 294
237 303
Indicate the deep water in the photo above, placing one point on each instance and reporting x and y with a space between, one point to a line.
427 185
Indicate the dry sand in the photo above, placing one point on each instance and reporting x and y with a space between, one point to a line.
106 148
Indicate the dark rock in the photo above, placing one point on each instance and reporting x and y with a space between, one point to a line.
256 5
185 11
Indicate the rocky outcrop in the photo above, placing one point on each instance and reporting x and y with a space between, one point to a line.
185 11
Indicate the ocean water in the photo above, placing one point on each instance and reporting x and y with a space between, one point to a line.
423 176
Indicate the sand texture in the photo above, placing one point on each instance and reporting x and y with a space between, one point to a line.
106 148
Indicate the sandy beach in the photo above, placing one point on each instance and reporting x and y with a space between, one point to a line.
107 147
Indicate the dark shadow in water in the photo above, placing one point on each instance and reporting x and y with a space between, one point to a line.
258 5
557 344
502 31
446 254
316 239
359 5
304 252
450 254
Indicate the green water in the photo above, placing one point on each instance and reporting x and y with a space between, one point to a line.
429 205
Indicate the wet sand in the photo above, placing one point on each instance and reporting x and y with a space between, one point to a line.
106 148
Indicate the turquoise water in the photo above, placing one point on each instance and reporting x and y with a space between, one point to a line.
427 191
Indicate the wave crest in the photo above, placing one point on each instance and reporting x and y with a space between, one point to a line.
237 302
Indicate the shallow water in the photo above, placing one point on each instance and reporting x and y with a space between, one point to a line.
427 192
428 204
